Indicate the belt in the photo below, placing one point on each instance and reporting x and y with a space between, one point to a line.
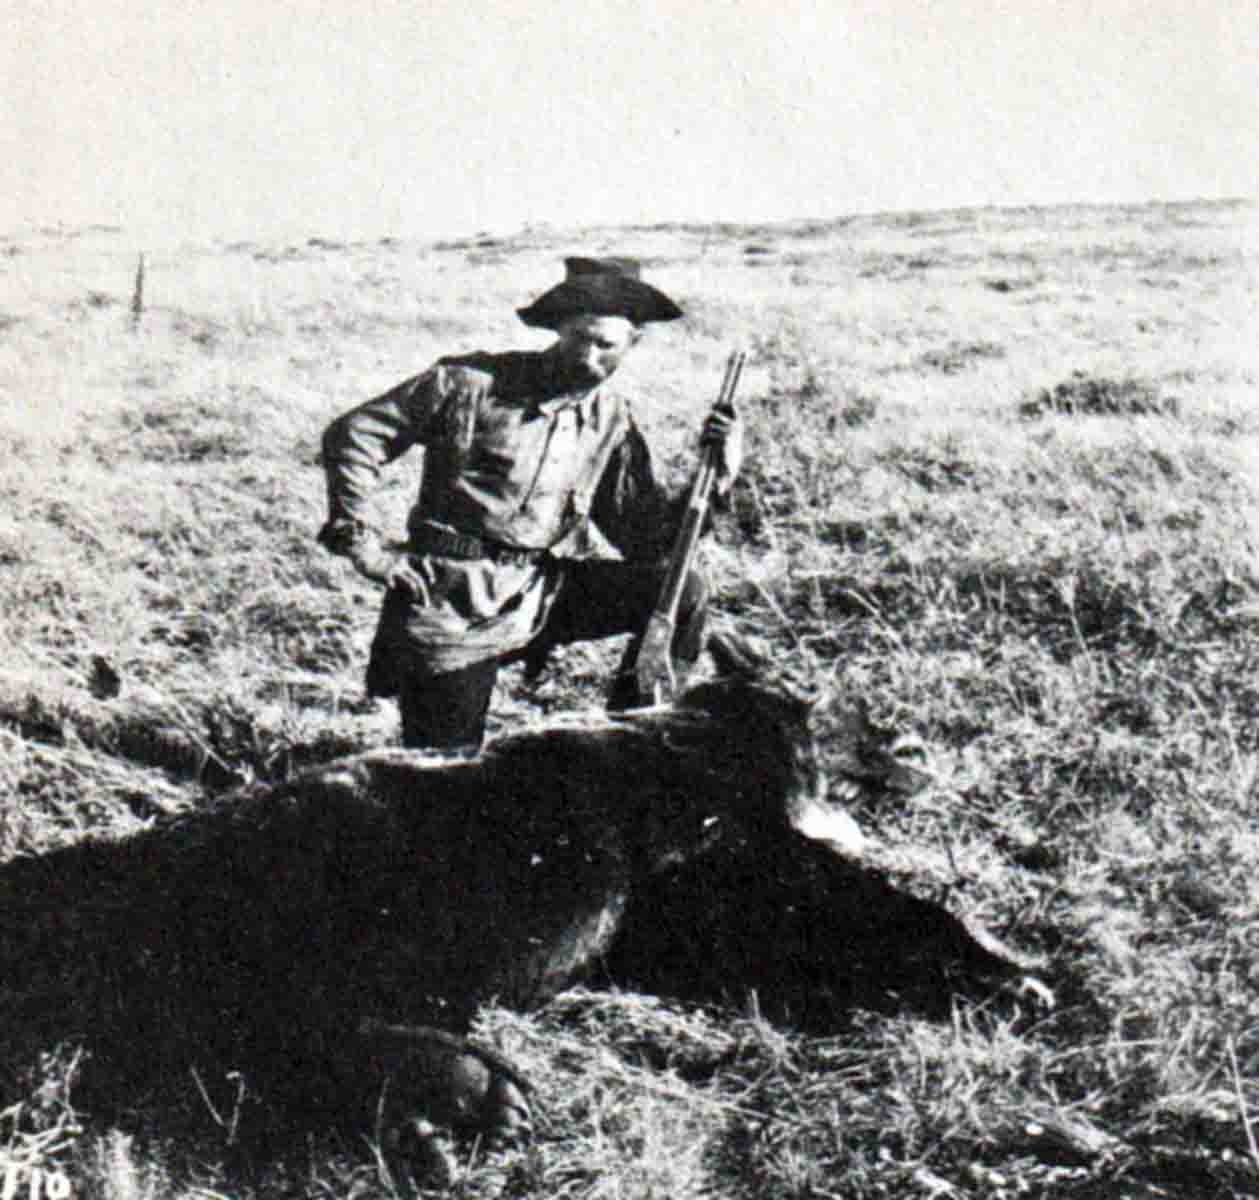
428 538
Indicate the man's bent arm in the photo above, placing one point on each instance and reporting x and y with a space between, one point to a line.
360 442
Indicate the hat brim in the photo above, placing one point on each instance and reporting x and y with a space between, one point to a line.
600 296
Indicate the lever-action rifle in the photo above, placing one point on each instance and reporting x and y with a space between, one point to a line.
654 665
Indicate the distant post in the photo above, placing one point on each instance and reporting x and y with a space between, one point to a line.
137 296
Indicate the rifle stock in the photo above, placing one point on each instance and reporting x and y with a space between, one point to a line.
654 665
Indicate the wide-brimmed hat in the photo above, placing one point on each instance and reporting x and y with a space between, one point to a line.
602 287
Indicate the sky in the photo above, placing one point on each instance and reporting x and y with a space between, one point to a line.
370 118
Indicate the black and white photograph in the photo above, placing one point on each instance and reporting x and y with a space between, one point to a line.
629 601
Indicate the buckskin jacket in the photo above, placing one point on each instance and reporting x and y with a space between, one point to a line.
508 461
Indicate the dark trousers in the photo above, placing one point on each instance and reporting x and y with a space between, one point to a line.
597 599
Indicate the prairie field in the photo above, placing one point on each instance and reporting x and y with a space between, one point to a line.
1002 481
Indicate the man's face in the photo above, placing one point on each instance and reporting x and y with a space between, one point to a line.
591 348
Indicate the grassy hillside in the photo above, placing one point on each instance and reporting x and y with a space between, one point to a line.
1003 480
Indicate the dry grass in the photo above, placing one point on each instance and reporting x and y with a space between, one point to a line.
1002 479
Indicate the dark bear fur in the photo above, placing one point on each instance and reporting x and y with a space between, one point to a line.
317 936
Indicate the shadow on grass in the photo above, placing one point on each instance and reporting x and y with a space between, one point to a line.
814 940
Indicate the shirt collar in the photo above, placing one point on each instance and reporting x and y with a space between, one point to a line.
547 403
584 404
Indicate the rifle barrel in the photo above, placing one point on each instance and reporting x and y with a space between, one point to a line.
654 667
730 383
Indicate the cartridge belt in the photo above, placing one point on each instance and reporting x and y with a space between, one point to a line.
430 538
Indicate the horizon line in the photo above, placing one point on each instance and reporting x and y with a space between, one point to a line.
311 234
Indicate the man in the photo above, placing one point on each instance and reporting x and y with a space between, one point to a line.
524 452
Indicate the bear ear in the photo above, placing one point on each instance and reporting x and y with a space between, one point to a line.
744 659
737 657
